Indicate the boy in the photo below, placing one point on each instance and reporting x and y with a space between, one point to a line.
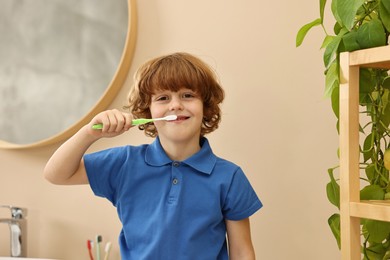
174 197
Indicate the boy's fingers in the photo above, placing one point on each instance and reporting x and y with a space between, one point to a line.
114 121
128 119
120 121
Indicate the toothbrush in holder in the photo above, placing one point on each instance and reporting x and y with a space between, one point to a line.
107 250
99 239
141 121
90 246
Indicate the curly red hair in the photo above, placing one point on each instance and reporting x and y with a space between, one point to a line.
173 72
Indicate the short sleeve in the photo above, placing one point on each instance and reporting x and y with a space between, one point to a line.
241 201
104 171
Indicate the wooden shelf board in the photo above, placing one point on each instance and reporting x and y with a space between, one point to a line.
378 57
373 209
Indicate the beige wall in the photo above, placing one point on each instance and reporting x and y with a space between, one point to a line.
276 125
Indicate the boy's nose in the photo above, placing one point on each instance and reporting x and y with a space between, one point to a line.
176 104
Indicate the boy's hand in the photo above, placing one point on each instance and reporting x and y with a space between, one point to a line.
114 123
66 166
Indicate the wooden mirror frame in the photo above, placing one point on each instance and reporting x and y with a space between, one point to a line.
107 97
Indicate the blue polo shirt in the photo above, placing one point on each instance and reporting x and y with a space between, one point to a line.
171 209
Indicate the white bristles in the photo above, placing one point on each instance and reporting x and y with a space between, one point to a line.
170 117
107 250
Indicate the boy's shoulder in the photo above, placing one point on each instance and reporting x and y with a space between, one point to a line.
226 162
128 147
226 166
120 151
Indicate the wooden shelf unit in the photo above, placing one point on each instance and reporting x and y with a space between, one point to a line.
351 208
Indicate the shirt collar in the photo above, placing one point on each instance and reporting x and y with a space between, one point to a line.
203 161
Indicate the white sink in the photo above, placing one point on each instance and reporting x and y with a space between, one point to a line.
23 258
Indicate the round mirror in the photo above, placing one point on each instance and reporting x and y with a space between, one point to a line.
62 62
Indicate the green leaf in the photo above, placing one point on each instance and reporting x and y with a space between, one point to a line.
386 83
304 30
362 12
337 28
372 192
366 84
385 116
368 148
331 53
375 252
387 255
336 101
334 9
384 12
364 99
375 95
349 41
386 5
328 39
334 224
346 10
385 100
378 230
322 8
370 172
371 34
331 79
333 190
331 49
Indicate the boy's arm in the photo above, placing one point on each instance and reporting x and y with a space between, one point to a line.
66 166
239 240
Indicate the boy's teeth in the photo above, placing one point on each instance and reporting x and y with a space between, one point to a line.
182 117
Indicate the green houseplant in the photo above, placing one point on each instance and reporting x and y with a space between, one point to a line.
361 24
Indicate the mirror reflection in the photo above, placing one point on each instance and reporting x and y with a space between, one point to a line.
57 59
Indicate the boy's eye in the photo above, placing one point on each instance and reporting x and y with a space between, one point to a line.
188 95
161 98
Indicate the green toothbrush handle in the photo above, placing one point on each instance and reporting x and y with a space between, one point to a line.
139 121
97 126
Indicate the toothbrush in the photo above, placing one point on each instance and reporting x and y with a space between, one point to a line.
141 121
107 250
90 246
98 241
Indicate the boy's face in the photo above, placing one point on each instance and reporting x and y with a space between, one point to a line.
187 105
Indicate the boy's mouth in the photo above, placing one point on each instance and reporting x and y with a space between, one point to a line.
182 118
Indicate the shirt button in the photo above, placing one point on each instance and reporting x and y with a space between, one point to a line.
176 164
175 181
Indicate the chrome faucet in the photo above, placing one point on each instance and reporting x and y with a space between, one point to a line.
17 226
